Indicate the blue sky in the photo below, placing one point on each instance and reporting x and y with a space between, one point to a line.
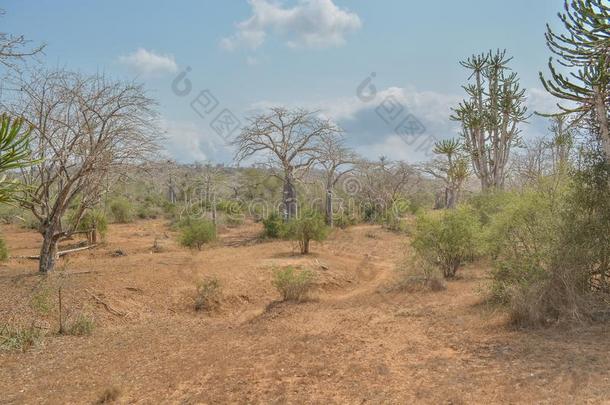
312 53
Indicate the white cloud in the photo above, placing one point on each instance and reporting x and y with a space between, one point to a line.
310 24
149 63
251 61
188 142
371 136
541 101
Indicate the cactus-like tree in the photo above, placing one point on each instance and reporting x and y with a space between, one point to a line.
490 116
451 167
14 154
585 51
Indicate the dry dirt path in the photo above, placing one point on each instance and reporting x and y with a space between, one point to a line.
354 342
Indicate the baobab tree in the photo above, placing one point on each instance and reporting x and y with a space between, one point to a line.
451 167
289 139
337 160
85 129
490 116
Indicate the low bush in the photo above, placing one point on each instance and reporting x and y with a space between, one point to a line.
394 222
487 205
197 232
273 226
121 210
233 212
93 219
416 275
147 210
311 226
42 300
520 240
447 240
3 250
110 394
293 285
17 337
81 324
208 295
551 250
343 220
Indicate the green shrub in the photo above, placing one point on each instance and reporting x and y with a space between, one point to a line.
94 219
447 240
3 250
393 219
343 220
29 221
551 248
520 239
121 210
311 226
10 214
42 300
487 205
233 212
293 285
16 337
81 324
196 232
148 211
273 225
208 295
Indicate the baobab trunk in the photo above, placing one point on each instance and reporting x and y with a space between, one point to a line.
290 199
329 207
48 251
452 197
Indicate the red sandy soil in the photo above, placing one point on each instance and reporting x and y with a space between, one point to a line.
355 341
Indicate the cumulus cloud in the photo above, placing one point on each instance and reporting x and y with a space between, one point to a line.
149 63
372 136
309 24
188 142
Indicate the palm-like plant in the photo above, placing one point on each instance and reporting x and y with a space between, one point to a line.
453 170
14 154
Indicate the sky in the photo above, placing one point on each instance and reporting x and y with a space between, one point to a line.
387 71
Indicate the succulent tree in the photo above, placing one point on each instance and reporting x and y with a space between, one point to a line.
585 51
490 116
14 154
451 167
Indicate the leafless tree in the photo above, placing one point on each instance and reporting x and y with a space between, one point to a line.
546 156
337 160
289 139
85 130
15 48
211 175
384 183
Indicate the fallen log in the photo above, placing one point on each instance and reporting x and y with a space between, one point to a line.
60 253
108 307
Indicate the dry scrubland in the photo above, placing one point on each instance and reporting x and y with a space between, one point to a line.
357 340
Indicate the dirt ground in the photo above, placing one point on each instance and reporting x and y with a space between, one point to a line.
355 341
